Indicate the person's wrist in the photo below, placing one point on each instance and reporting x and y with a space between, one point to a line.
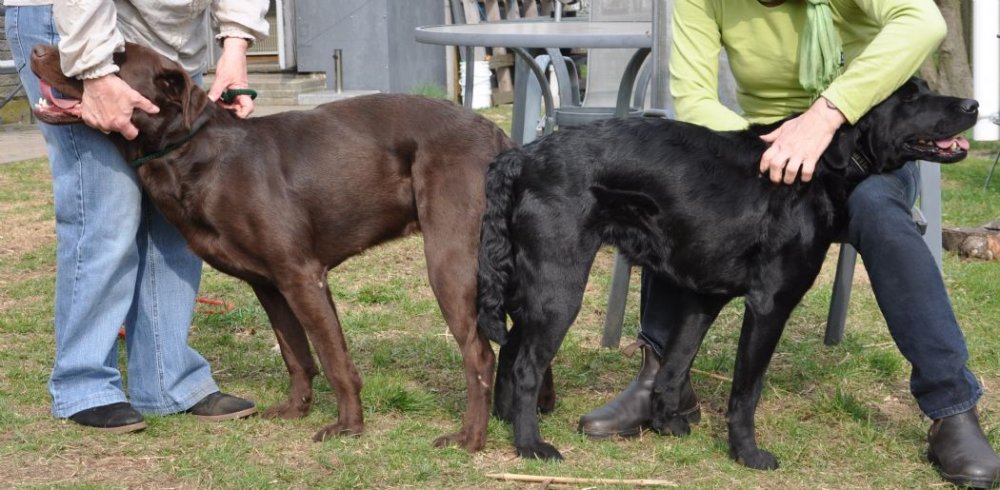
829 112
236 45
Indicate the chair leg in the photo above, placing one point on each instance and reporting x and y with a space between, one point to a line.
841 295
617 295
989 176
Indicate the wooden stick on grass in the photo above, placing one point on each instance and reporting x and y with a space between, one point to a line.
579 481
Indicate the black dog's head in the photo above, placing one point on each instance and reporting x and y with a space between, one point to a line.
914 123
182 103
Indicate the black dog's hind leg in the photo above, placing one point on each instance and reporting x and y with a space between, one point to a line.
689 317
552 297
503 391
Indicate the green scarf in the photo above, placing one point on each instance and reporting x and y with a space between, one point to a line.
820 47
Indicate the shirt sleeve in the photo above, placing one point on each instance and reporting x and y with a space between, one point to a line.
910 31
88 37
240 18
694 68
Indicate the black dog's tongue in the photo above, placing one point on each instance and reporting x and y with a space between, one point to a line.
949 143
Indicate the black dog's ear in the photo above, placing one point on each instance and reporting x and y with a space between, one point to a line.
838 155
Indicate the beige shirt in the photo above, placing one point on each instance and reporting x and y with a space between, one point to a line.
91 31
25 3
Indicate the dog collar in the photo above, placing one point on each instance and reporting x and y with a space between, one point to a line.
861 162
227 97
138 162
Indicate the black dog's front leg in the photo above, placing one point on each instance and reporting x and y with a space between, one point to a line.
758 338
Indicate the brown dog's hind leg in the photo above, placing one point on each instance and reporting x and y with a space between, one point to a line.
308 295
294 350
451 268
450 222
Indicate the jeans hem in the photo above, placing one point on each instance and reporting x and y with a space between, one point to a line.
194 396
957 408
67 410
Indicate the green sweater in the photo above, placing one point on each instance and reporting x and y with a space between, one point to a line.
884 41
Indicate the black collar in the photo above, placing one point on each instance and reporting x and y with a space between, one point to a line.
138 162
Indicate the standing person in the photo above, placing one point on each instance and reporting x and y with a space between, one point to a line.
118 261
786 58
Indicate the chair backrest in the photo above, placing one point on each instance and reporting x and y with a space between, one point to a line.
605 66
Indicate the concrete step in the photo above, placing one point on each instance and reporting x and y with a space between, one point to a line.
323 96
280 88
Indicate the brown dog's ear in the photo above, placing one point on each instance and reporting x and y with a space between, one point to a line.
193 103
176 85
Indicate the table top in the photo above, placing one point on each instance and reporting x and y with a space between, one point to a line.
541 34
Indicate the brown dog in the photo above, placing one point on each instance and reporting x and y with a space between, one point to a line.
278 201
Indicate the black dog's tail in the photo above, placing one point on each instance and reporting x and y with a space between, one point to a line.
496 258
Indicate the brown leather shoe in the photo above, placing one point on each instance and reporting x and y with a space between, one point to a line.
959 450
628 414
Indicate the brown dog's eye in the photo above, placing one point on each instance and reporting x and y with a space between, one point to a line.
171 83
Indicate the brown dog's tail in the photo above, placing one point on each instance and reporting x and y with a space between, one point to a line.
496 258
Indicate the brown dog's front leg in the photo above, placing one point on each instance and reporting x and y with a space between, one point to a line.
294 350
313 306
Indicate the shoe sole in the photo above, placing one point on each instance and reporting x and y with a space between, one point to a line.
693 417
960 481
241 414
136 427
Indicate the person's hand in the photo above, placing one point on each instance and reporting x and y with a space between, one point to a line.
798 143
107 105
231 72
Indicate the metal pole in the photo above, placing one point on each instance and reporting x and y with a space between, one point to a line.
338 70
659 85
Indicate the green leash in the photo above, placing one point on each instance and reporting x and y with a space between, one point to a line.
228 96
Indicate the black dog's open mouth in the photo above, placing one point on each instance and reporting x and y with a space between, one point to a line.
53 107
950 149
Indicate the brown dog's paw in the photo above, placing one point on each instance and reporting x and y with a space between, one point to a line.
288 410
338 430
460 439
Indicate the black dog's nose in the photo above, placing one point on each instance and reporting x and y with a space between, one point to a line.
969 105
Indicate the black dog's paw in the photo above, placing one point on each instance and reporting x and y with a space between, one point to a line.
757 459
671 425
540 450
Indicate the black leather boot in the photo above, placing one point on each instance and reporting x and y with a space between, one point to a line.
115 417
959 450
628 414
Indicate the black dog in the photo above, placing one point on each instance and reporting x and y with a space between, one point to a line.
691 204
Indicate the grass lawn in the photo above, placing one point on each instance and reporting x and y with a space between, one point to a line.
836 417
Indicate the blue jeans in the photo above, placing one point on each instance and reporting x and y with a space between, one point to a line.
118 262
907 286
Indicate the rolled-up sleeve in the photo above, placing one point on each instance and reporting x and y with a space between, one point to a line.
240 18
694 68
89 37
911 31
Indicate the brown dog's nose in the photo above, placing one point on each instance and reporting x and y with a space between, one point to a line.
969 105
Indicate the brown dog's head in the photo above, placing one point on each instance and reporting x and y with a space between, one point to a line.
182 103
